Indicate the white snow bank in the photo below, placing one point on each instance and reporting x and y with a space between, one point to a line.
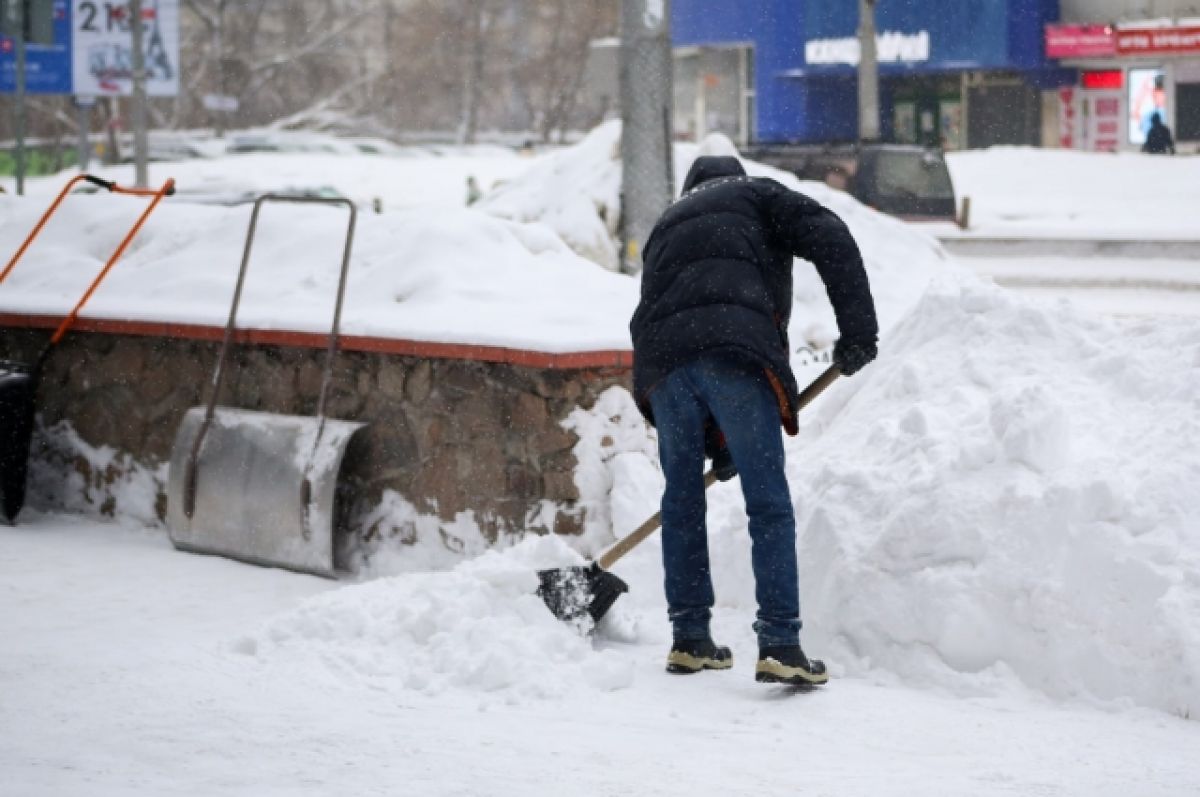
1024 191
1007 497
433 273
479 627
445 275
1008 494
577 192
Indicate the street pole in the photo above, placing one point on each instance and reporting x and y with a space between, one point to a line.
868 73
140 148
84 113
18 28
647 181
219 35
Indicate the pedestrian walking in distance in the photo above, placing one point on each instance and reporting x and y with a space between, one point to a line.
712 373
1159 140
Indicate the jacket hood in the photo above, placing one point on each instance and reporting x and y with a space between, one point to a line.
711 167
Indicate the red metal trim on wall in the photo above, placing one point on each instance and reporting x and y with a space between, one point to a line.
272 337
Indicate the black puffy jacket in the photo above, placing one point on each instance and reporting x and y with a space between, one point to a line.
717 277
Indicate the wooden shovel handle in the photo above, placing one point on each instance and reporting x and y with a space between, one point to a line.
628 543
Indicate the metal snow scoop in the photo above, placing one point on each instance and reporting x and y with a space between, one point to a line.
19 381
573 593
256 486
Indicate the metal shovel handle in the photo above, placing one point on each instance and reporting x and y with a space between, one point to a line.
189 492
629 542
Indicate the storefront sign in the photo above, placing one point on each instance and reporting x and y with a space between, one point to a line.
890 47
1080 41
1158 41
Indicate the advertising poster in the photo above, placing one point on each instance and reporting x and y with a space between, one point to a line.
103 64
1146 98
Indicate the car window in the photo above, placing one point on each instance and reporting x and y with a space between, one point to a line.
913 174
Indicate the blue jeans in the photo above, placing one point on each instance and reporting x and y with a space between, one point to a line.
741 401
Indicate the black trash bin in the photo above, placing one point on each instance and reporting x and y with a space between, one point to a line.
18 383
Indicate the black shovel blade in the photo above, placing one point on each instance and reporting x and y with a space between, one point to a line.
17 387
572 593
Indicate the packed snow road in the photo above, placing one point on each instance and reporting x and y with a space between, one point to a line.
127 671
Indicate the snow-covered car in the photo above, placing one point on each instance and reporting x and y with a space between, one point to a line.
290 142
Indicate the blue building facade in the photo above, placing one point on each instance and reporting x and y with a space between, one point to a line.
955 72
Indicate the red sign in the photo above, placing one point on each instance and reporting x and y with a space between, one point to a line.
1080 41
1068 119
1102 79
1158 41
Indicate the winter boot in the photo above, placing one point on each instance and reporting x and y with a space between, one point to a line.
694 655
787 664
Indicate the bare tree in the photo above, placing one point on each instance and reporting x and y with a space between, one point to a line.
455 66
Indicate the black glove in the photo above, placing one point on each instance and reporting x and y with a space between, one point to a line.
716 450
852 355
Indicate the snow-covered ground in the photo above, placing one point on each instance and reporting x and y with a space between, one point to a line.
132 669
1107 285
1027 192
997 532
1133 301
398 182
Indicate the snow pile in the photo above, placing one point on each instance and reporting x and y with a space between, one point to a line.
444 275
577 192
479 627
68 473
397 538
1078 194
617 472
1008 496
1011 489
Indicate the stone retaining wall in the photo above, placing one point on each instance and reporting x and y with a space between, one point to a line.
447 435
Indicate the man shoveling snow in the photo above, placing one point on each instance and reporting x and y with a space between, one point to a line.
712 372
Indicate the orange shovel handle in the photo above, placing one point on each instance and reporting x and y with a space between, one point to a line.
167 189
107 185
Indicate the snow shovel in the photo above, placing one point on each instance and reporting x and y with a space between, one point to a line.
19 381
256 486
573 593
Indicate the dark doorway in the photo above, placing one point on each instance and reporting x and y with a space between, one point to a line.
1008 113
